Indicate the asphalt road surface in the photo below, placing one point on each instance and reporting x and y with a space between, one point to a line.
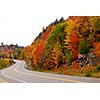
18 74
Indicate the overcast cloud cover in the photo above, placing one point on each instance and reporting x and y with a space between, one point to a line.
22 20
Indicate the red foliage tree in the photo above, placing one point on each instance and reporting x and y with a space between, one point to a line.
75 65
74 45
39 49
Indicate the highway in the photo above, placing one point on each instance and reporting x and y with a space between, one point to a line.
18 74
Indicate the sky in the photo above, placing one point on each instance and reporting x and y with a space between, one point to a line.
22 20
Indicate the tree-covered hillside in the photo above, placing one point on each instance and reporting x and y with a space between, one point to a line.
10 51
70 46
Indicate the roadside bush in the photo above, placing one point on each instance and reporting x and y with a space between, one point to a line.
97 69
88 74
39 68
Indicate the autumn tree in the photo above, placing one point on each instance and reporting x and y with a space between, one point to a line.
75 65
56 37
82 25
38 47
94 26
57 57
70 27
97 49
86 26
22 55
26 54
74 45
10 53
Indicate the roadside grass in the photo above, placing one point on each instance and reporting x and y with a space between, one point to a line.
86 71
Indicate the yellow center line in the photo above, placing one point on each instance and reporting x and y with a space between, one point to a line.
3 81
49 77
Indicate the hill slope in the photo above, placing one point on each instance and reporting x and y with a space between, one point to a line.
69 46
10 51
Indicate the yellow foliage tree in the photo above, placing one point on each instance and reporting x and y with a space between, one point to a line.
56 56
33 55
97 48
70 27
94 26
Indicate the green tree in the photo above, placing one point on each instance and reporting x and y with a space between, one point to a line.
61 20
84 46
57 36
56 22
2 44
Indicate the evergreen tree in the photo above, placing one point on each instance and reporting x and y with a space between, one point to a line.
61 20
84 46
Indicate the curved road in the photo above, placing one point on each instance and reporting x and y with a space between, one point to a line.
18 74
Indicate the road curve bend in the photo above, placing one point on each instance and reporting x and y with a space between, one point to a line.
18 74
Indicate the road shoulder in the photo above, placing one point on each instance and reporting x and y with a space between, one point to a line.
3 81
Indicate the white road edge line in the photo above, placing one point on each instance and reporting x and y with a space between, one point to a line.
13 78
47 77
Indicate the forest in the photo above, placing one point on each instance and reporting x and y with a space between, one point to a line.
69 47
8 53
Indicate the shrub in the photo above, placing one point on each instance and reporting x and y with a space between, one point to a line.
39 68
98 67
88 74
83 46
69 58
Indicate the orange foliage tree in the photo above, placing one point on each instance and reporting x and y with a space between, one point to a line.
27 52
75 65
74 45
56 57
38 47
97 48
